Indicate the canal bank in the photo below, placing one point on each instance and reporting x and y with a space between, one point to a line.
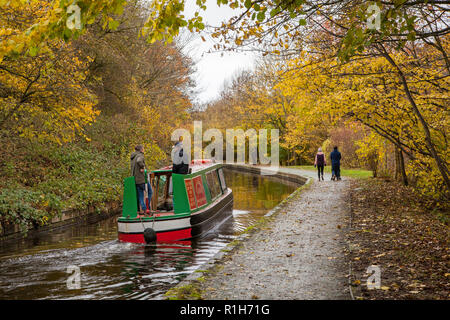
296 251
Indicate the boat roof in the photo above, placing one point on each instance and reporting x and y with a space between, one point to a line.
195 165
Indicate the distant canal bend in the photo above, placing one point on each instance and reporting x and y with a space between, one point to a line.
37 268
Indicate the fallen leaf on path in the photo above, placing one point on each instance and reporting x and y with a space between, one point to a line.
356 283
290 254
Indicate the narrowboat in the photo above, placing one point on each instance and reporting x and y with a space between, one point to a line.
183 206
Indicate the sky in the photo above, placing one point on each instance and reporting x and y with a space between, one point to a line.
213 69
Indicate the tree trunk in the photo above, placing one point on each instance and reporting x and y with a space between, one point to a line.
402 168
397 164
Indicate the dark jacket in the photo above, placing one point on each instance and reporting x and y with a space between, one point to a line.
138 163
335 157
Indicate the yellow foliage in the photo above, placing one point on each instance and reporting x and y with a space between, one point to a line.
370 92
42 96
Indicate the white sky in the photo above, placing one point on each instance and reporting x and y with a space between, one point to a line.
213 69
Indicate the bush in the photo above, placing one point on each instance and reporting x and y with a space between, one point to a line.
21 207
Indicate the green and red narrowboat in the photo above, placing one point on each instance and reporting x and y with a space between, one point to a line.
183 206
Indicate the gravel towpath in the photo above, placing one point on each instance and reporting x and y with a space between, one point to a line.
300 254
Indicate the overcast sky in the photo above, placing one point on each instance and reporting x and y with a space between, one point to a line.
214 68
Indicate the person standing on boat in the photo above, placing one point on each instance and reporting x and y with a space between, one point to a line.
138 171
320 162
180 160
335 157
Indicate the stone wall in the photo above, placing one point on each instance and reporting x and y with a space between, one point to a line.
267 172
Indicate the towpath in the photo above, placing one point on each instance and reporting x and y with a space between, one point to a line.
299 254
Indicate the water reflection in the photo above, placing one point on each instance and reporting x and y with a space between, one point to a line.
36 268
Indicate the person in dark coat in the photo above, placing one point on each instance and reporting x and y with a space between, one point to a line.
320 162
137 162
335 157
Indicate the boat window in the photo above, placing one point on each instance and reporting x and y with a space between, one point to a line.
222 179
212 180
163 200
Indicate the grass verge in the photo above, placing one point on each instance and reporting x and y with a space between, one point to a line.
352 173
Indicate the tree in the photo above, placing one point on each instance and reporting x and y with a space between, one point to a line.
369 91
43 96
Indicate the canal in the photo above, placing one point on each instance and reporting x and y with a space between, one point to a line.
37 268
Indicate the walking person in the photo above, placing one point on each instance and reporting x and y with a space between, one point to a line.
138 171
335 157
320 162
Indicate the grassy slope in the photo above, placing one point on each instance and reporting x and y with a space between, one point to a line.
37 184
40 180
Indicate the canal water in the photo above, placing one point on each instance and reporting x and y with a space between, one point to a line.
40 268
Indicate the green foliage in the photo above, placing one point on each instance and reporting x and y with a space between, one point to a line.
40 182
21 206
83 177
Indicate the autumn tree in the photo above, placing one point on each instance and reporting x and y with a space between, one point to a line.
74 103
43 96
143 84
367 91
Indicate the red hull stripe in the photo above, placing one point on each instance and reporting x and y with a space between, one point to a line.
132 237
160 236
174 235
